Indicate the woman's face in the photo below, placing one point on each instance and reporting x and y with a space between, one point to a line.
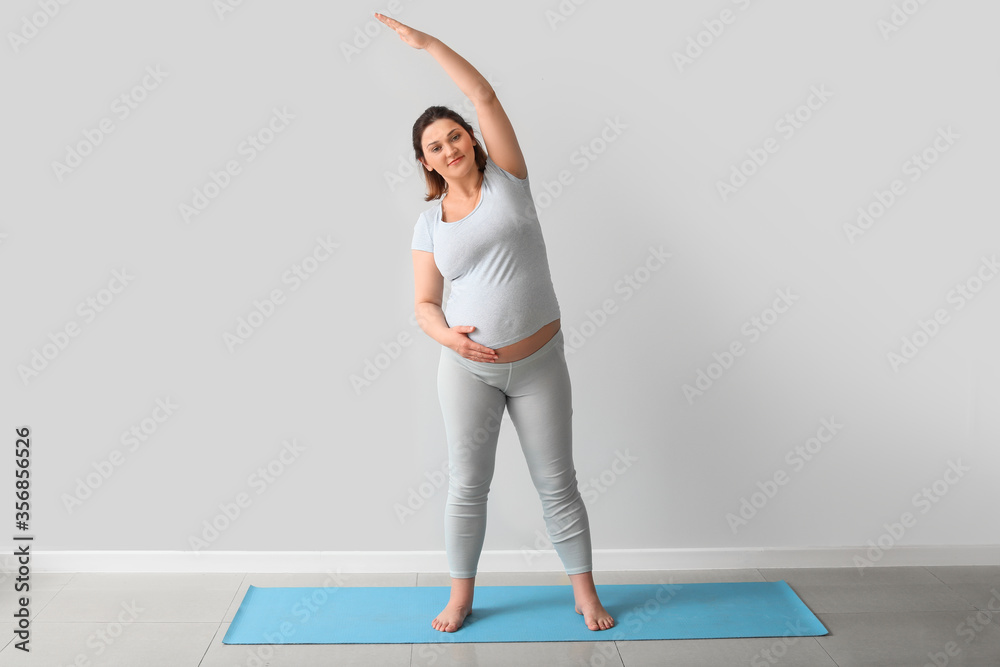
444 142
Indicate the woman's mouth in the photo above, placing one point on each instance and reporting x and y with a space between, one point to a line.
455 161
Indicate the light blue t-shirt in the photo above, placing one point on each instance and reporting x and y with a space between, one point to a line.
495 261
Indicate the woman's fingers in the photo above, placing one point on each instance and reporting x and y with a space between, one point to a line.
400 28
414 38
480 354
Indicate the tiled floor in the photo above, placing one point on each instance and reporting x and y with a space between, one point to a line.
892 616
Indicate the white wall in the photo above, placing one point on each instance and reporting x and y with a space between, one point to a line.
341 169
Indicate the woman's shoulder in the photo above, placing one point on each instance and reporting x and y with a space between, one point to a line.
428 214
498 172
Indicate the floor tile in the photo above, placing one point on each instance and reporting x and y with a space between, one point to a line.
37 600
113 645
41 581
138 604
547 654
832 598
156 581
303 655
966 574
678 576
980 596
845 576
909 638
777 651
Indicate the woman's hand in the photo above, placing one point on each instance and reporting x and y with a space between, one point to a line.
469 348
415 38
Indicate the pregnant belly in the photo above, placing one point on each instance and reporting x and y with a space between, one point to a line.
527 346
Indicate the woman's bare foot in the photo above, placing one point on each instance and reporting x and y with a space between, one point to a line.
588 603
458 607
595 615
451 618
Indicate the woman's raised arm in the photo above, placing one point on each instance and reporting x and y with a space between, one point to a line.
473 84
495 126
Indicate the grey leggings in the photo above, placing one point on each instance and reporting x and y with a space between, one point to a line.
536 392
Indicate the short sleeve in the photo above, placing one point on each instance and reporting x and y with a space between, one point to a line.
421 236
493 166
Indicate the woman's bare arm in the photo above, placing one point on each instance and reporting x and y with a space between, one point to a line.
495 126
473 84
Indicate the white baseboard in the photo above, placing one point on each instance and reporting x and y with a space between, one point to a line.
500 561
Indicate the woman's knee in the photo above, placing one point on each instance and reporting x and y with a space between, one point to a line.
469 485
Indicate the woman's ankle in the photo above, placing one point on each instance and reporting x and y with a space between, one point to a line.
462 590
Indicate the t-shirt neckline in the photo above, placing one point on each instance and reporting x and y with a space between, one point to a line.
482 194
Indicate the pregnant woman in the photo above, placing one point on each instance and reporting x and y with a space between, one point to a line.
502 344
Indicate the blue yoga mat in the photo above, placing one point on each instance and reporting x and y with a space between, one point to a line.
403 615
